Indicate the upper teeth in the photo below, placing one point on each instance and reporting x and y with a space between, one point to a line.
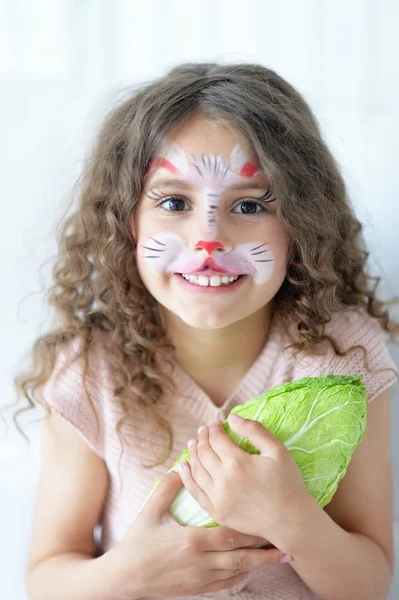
213 281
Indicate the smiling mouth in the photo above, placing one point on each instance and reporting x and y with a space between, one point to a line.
218 280
212 268
210 277
209 271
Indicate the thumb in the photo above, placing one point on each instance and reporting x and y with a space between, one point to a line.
259 436
162 496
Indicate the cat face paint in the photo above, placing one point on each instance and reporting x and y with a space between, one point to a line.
168 252
210 174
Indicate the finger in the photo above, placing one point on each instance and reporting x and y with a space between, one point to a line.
222 444
193 488
162 496
199 472
206 452
259 436
240 560
224 538
264 545
223 583
169 519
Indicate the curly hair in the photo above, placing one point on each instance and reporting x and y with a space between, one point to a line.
96 284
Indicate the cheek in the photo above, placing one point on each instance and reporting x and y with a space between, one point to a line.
143 265
279 243
154 283
273 273
142 228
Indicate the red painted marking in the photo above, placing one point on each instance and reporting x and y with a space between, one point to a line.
161 163
209 246
249 169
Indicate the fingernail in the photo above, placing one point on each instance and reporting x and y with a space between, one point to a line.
200 428
190 443
235 418
286 558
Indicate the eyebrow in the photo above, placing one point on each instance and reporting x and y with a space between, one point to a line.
182 183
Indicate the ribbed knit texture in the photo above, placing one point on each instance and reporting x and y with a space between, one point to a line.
191 408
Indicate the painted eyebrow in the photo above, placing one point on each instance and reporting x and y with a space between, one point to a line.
181 183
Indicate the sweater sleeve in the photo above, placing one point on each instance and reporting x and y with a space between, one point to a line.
352 328
69 387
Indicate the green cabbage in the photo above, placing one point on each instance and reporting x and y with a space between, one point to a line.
320 420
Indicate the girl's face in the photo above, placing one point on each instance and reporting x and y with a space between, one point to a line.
210 247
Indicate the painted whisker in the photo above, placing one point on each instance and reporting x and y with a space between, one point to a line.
155 249
198 169
156 241
257 247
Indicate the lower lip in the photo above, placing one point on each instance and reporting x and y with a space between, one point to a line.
208 289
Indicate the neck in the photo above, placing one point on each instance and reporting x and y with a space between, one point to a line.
232 348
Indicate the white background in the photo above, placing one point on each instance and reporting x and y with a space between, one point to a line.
61 64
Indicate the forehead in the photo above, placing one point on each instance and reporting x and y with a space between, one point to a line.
204 136
205 152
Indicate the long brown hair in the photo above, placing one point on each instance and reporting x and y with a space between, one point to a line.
96 285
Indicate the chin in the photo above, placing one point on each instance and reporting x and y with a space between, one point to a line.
209 321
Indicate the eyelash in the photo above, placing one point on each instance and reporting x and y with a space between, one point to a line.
249 200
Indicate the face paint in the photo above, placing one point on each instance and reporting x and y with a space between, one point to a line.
210 174
168 252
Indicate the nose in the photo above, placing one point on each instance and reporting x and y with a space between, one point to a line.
209 246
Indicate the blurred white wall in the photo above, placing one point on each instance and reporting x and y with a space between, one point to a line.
61 63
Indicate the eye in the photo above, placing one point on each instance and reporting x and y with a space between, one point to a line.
173 204
249 207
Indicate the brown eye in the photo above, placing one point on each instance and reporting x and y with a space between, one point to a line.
173 204
250 208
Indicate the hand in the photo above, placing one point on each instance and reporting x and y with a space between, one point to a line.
158 558
259 494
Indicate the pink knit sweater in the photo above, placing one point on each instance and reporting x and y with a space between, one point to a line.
191 408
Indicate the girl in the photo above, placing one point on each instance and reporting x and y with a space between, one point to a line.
213 255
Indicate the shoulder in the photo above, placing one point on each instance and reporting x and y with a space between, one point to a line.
80 387
77 361
362 350
353 325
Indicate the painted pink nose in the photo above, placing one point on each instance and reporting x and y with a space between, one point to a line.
209 246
